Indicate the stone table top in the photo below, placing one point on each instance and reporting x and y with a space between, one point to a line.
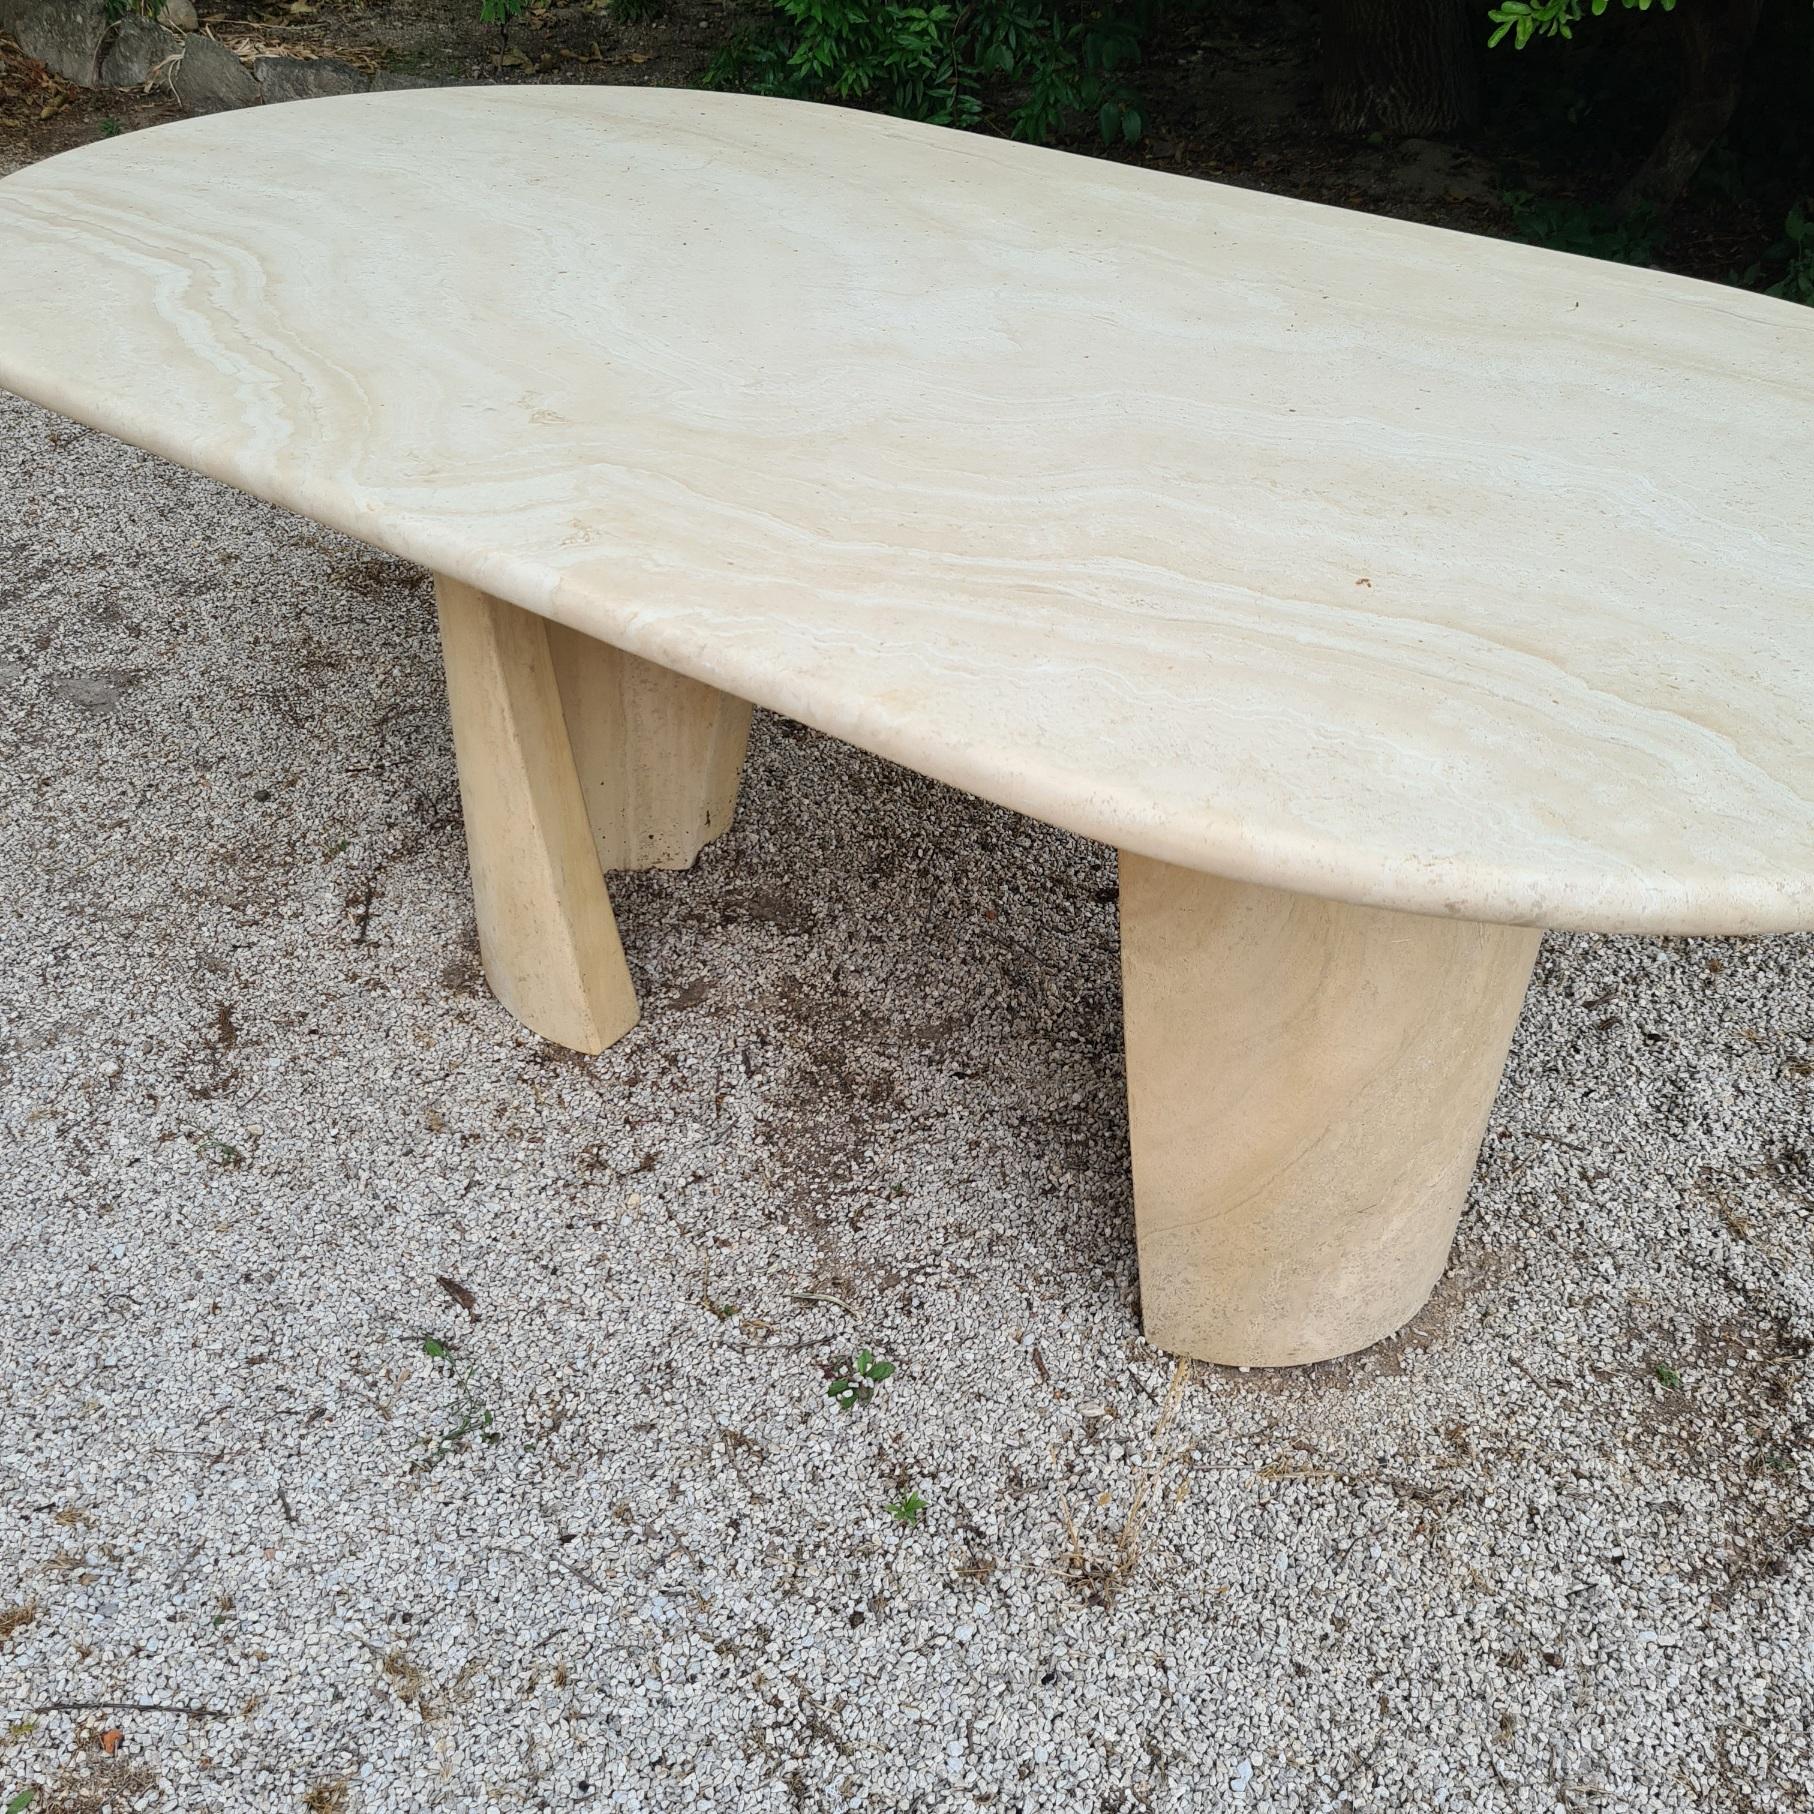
1292 544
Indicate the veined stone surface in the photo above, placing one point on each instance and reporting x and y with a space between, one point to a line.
1309 549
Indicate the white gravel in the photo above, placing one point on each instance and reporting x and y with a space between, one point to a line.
257 1101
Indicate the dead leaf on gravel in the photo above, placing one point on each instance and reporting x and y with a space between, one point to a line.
460 1294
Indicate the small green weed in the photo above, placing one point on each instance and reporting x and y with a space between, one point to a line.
910 1508
1667 1377
471 1418
855 1382
723 1312
221 1152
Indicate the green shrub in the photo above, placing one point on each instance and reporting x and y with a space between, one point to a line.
1593 231
1030 65
1793 256
1528 19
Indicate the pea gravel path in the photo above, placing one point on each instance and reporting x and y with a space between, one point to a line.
598 1537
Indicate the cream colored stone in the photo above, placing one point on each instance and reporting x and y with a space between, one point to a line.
546 930
659 756
1334 556
1307 1087
1316 550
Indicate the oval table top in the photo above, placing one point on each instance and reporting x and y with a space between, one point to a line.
1296 545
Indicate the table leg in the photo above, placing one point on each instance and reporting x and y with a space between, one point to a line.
546 931
659 756
1308 1083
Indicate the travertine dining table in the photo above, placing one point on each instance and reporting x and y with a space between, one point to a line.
1384 594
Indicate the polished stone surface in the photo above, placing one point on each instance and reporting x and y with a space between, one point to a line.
1311 549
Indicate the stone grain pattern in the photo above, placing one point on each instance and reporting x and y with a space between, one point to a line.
257 1100
1334 554
1307 1088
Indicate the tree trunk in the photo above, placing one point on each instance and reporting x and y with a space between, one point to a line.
1714 36
1401 66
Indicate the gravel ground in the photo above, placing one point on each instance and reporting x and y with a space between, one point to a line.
435 1419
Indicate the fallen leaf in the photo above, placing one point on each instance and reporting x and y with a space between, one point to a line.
109 1741
460 1294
